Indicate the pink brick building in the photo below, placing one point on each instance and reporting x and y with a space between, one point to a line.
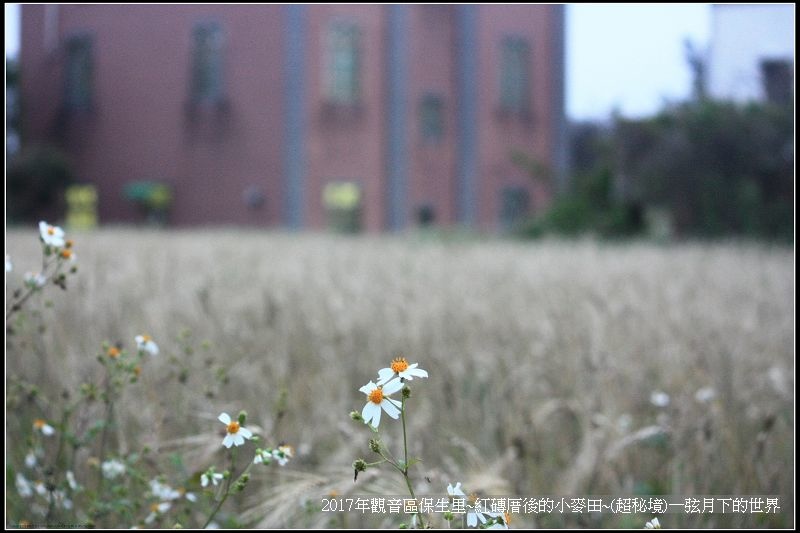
250 112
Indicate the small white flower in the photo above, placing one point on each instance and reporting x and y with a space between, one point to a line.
212 525
145 344
162 491
61 500
652 524
401 368
156 510
377 399
51 235
455 491
262 457
73 484
41 425
24 486
34 280
112 469
30 459
283 453
209 476
40 488
9 266
191 496
236 433
659 398
705 395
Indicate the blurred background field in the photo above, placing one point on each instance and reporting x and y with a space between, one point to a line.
556 367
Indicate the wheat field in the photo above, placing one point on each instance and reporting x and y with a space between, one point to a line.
556 368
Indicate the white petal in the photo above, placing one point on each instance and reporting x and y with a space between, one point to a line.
391 388
258 459
376 417
384 375
204 480
238 440
394 402
228 441
368 413
224 418
369 387
415 372
472 519
246 433
390 408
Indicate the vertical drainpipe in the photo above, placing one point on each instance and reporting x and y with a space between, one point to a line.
557 60
467 107
295 126
397 118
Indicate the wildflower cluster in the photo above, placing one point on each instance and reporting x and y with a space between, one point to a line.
391 380
58 260
471 512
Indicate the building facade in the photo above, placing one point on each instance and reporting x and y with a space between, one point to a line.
751 57
260 115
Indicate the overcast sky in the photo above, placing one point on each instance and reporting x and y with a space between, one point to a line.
619 56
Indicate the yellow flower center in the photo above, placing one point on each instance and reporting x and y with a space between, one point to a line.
66 254
376 396
51 230
507 518
154 508
69 243
113 352
233 427
39 423
146 338
399 365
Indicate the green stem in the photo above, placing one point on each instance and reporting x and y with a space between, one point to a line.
405 455
227 486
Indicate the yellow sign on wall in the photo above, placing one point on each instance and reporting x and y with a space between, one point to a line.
81 207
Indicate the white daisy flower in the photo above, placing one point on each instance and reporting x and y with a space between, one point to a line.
162 491
401 368
659 398
9 266
73 484
68 255
236 433
283 453
652 524
209 476
30 459
61 500
263 457
145 344
51 235
40 488
377 398
41 425
156 510
34 280
112 469
24 486
455 491
704 395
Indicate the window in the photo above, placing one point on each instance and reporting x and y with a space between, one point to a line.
777 79
432 117
514 207
78 73
207 63
515 75
343 63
